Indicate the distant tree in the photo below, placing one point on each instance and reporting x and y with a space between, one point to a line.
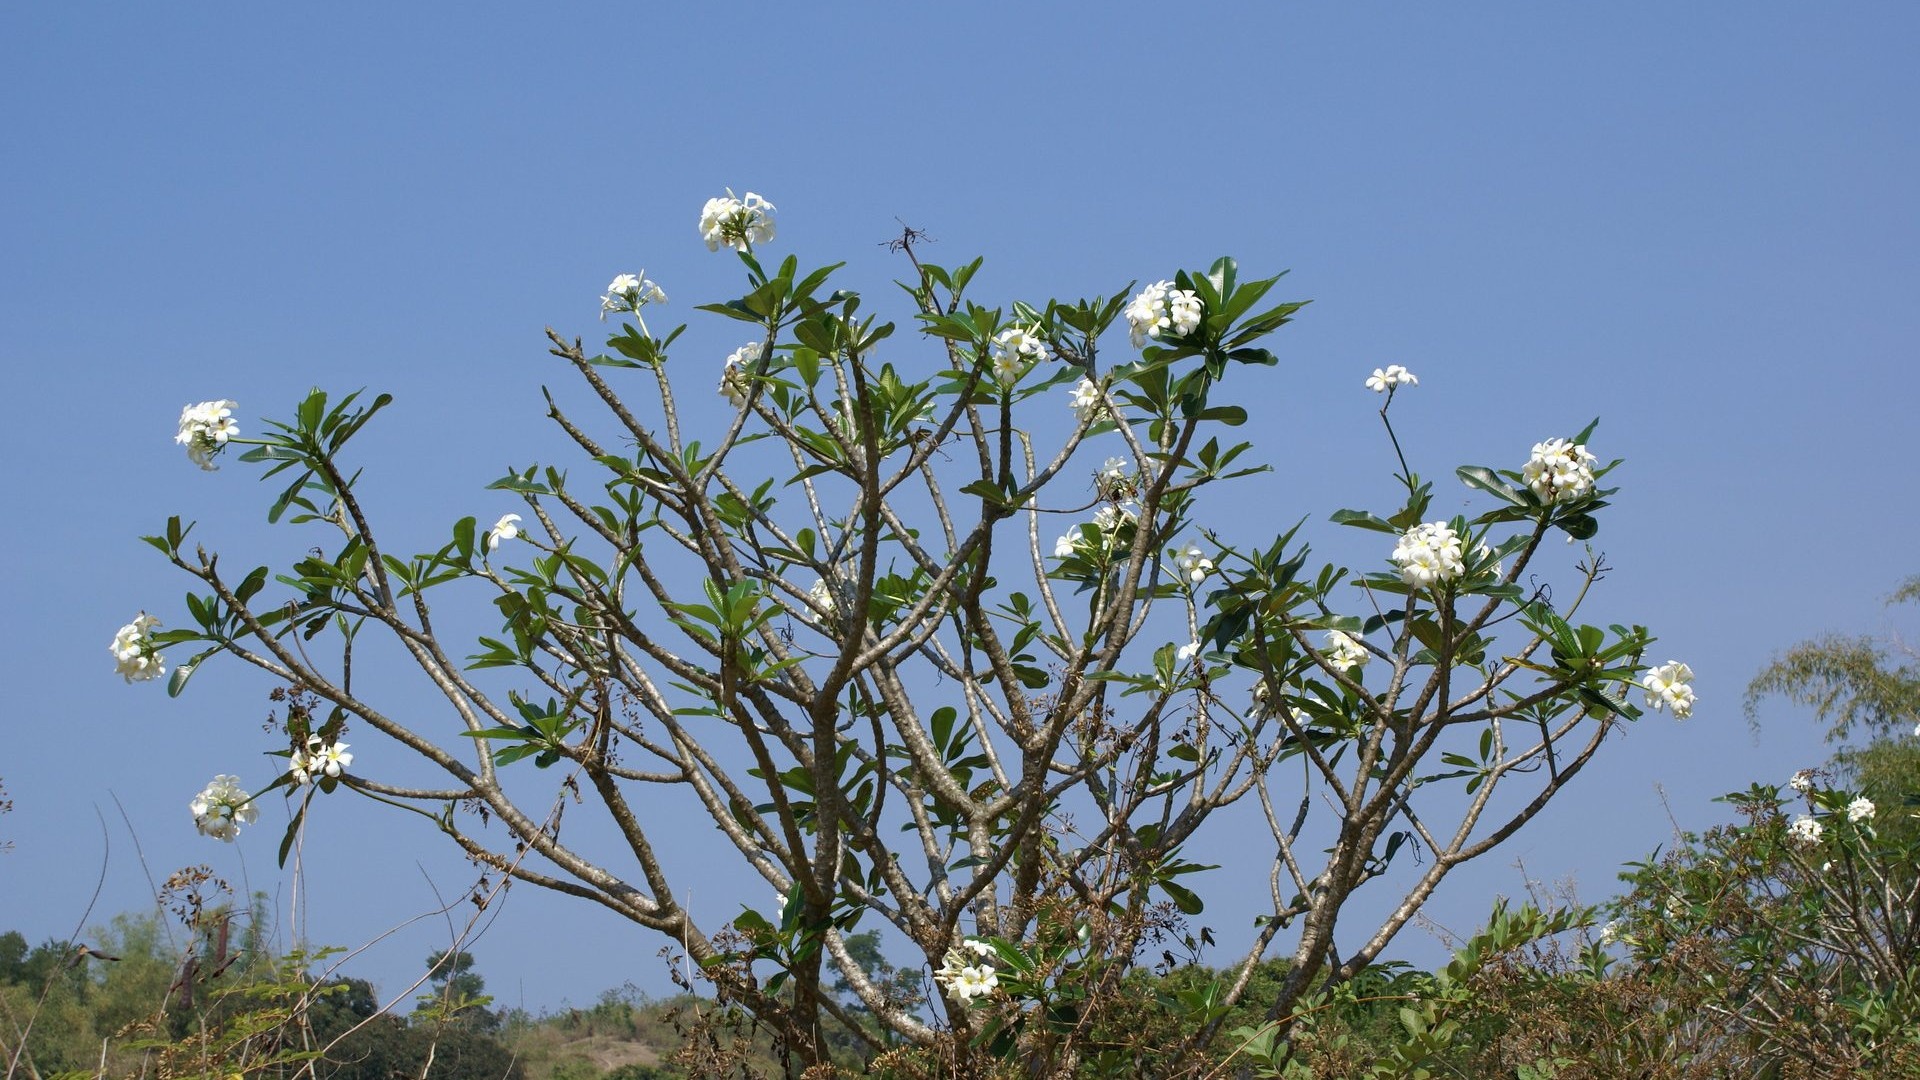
1865 690
456 994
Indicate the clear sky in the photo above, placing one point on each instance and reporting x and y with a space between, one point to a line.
1694 221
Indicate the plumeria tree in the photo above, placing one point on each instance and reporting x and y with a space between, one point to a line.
943 644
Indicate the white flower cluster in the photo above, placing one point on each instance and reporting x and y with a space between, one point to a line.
630 293
1385 379
1113 480
1805 830
1108 520
1014 350
134 656
1344 651
1668 686
222 808
316 759
507 528
736 223
834 597
1802 781
1185 653
1559 470
1086 401
1610 932
965 973
1860 809
1429 554
205 429
1193 564
733 375
1163 313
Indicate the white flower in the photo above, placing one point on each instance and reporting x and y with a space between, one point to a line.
1802 781
1667 687
1860 809
964 979
134 656
1187 652
736 223
1385 379
821 594
318 759
1193 564
1014 350
222 808
205 429
1559 470
1163 313
1086 401
1805 830
1107 521
1610 932
1113 481
1429 554
1344 652
630 293
733 374
504 529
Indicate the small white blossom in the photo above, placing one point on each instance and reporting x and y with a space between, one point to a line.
1610 932
1667 687
205 429
1802 781
134 656
629 293
1344 652
504 529
1193 564
1014 350
821 594
733 374
1107 521
1385 379
1114 481
971 981
1860 809
222 808
1429 554
736 223
1559 470
1187 652
1163 313
317 759
1805 830
964 978
1260 710
1086 401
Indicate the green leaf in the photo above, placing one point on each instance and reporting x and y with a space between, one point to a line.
1479 476
1361 519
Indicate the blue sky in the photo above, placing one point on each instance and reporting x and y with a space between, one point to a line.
1693 221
